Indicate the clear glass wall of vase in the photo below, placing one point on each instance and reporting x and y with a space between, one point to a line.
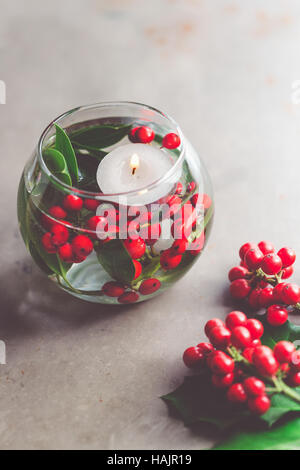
115 205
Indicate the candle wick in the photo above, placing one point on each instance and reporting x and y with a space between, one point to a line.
133 170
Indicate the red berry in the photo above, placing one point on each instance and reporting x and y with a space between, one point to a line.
283 351
266 247
179 246
113 289
244 248
153 233
234 319
254 387
221 364
288 256
131 135
179 188
248 353
65 252
82 245
149 286
290 294
128 298
138 268
60 234
57 212
213 323
97 225
144 135
271 264
174 202
285 367
222 381
169 261
171 141
236 393
47 243
205 348
240 288
265 361
203 199
220 337
294 379
256 342
287 272
277 292
193 357
259 405
241 337
266 297
191 187
91 204
238 272
253 258
255 327
72 203
253 299
277 315
136 248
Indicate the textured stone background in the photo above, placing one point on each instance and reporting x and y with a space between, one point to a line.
79 375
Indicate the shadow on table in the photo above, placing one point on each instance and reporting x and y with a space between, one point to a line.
32 304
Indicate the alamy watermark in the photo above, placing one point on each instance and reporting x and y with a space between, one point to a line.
2 92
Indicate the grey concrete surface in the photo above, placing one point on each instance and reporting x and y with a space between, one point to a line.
81 376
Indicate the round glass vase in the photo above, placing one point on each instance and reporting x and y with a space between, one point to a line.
112 248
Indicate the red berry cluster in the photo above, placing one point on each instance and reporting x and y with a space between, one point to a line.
57 238
145 135
74 243
239 363
258 280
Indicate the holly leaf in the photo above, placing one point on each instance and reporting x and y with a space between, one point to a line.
197 400
116 261
283 437
272 334
64 146
281 405
98 137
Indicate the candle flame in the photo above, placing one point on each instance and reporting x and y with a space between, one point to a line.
134 162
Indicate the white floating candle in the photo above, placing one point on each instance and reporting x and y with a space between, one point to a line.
132 167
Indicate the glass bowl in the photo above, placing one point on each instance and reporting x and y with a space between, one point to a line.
113 248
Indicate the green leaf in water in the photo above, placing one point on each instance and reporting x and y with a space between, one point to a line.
116 261
57 164
63 144
98 137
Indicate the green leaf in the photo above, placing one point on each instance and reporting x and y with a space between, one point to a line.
280 406
197 400
38 259
283 437
22 205
116 261
56 163
98 137
287 332
63 144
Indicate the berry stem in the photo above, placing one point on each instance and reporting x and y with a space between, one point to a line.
282 387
